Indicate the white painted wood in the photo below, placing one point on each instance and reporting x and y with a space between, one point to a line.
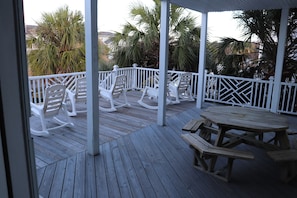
78 95
231 5
163 64
202 60
113 94
91 37
218 88
51 107
280 60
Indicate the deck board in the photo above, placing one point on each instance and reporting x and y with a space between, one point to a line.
146 160
138 168
133 180
79 184
57 187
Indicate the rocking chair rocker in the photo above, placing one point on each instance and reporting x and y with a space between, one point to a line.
151 93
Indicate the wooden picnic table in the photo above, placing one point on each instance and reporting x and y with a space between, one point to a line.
234 125
254 122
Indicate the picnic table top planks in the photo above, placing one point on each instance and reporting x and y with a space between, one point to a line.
244 118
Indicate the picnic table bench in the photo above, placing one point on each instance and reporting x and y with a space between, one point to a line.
199 124
204 152
287 160
193 125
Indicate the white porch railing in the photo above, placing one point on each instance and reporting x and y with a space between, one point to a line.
288 100
220 89
239 91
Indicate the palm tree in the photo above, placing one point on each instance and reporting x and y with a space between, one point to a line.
59 43
233 55
139 43
104 62
265 25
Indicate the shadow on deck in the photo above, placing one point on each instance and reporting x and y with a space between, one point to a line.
153 161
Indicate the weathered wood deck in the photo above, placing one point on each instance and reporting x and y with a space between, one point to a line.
140 159
68 141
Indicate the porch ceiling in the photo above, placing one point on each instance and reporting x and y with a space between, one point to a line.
230 5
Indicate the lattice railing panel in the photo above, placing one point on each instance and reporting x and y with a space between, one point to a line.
238 91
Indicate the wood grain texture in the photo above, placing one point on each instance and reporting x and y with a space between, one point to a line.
151 161
246 118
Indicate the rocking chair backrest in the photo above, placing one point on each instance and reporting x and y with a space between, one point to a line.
157 77
54 96
81 88
184 81
119 85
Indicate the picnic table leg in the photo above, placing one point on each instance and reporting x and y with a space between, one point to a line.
198 161
261 137
204 132
220 136
229 169
218 142
282 138
288 171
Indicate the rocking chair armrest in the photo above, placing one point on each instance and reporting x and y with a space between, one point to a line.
36 109
102 89
102 84
36 106
70 93
172 85
174 81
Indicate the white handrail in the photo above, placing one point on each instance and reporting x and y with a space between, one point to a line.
230 90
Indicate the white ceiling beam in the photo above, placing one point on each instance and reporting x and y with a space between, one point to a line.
232 5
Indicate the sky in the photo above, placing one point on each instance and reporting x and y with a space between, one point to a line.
113 14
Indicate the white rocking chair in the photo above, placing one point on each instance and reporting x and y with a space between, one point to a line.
79 94
211 86
113 94
180 88
51 107
151 93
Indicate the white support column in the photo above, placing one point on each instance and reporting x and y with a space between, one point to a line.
202 61
280 60
91 38
163 62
